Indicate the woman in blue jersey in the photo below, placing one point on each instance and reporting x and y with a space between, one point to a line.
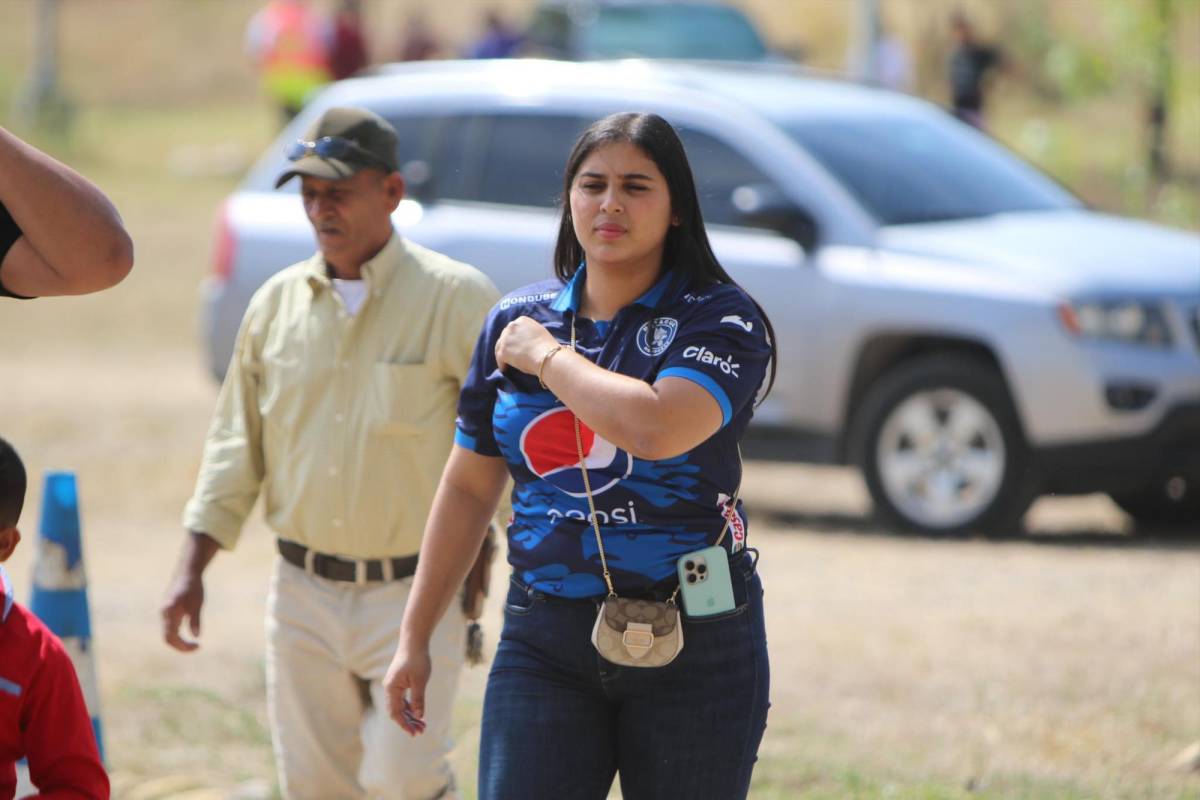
615 396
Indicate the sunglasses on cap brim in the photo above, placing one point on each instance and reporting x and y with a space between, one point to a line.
334 147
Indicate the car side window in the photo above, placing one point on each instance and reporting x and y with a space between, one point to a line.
719 170
524 159
454 156
415 137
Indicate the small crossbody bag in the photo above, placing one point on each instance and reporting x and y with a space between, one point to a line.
628 631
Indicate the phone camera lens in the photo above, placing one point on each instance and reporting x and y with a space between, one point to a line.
689 565
691 578
703 568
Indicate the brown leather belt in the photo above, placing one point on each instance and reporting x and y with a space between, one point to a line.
351 570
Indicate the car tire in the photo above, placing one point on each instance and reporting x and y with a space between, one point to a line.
941 449
1154 508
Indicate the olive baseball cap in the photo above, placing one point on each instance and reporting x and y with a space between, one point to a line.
340 143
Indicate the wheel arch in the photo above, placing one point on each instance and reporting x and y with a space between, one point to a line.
884 351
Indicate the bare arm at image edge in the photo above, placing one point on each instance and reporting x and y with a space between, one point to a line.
62 235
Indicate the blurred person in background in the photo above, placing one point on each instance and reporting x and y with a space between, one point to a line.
893 67
348 49
645 348
881 60
289 42
498 39
418 42
338 406
970 67
59 234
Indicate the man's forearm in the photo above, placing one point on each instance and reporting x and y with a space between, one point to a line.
198 551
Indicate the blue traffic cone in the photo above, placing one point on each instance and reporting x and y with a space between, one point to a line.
60 585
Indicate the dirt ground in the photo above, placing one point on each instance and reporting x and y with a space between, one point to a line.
1069 658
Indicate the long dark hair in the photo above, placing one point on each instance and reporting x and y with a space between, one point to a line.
686 251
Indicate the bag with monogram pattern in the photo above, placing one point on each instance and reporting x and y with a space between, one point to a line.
638 633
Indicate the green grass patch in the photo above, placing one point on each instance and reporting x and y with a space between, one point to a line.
189 712
167 730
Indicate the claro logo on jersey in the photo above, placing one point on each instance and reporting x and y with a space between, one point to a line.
548 445
705 356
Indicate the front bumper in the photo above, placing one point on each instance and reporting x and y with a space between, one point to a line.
1172 448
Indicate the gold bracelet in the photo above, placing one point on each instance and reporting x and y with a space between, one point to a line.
546 360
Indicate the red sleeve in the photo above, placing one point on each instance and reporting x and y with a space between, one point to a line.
60 746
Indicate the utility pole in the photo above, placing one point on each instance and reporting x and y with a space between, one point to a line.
865 32
40 103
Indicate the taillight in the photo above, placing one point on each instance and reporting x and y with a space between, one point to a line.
222 265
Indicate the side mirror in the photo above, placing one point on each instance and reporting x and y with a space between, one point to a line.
761 205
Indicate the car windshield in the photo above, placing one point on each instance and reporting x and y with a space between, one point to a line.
686 31
905 170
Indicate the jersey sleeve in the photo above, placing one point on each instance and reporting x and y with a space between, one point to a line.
723 348
473 428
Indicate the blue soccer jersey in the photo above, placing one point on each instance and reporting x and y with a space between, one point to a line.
650 512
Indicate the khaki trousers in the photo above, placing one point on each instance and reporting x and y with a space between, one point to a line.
329 645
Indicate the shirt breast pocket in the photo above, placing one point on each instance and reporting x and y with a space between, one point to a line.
404 399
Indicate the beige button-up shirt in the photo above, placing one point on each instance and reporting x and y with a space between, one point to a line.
343 421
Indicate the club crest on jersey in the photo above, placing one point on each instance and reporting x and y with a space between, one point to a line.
548 445
655 336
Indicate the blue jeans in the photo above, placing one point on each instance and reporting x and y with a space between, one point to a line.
559 720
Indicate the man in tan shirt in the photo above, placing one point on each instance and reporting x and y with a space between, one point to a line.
339 407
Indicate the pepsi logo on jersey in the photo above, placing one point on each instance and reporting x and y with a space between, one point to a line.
549 448
621 515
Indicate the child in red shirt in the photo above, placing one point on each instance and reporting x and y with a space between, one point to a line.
43 717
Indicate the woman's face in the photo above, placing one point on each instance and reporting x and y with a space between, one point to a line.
621 207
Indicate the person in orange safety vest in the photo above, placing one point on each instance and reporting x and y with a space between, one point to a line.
289 41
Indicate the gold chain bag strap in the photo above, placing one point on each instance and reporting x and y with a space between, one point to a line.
630 632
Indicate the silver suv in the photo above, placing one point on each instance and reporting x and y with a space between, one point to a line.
949 319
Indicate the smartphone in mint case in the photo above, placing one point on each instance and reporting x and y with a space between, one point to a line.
704 582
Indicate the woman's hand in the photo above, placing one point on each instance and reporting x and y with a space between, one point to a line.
405 686
522 344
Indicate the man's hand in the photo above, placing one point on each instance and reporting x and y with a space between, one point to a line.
185 598
185 595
